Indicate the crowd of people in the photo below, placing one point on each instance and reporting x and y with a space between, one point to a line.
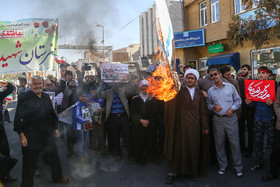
207 118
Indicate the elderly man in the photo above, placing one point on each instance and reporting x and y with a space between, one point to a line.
185 123
36 123
145 123
224 100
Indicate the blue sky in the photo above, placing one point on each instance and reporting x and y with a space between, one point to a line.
112 14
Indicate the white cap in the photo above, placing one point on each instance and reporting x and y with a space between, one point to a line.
192 71
143 83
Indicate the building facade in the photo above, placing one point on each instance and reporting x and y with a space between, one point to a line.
127 54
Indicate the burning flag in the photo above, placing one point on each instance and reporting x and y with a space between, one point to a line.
164 84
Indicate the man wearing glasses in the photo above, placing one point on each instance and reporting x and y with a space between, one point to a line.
224 100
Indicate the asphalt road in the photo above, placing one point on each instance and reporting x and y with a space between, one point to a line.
103 171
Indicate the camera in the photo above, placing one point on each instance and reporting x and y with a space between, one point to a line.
87 67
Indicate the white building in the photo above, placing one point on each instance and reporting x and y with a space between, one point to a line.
148 32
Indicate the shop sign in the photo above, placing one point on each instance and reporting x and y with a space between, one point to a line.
216 48
189 38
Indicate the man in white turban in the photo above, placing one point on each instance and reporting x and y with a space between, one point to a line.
185 123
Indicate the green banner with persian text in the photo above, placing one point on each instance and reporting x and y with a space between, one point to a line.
216 48
28 45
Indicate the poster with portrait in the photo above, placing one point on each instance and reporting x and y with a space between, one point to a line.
114 72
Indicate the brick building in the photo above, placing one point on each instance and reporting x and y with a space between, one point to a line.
127 54
213 17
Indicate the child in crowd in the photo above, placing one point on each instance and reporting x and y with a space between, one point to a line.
97 139
82 122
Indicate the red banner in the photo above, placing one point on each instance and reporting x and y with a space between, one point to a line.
260 90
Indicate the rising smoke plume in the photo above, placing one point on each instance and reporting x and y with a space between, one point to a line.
78 18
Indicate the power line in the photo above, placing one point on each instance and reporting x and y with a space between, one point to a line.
126 24
122 27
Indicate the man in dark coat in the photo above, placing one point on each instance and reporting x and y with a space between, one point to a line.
145 122
4 144
36 123
247 115
185 123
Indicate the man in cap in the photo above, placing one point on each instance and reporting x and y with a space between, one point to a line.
224 100
185 123
145 123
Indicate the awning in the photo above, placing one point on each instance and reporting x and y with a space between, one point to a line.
231 58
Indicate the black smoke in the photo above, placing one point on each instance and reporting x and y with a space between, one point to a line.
77 18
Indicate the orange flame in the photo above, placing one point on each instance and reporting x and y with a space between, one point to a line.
162 85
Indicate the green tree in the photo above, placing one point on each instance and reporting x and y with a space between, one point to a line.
258 27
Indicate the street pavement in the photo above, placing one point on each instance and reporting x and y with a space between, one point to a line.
102 171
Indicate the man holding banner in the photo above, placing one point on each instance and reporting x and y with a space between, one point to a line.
262 97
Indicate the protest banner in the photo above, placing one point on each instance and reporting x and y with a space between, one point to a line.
28 45
67 115
114 72
87 115
260 90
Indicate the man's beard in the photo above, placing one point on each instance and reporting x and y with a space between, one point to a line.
245 74
190 85
37 91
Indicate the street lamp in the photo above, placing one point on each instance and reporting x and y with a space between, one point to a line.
103 40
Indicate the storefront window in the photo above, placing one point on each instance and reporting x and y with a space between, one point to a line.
266 57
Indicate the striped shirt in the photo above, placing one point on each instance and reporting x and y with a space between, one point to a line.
117 106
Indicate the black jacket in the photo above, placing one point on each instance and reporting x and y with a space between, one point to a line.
35 118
